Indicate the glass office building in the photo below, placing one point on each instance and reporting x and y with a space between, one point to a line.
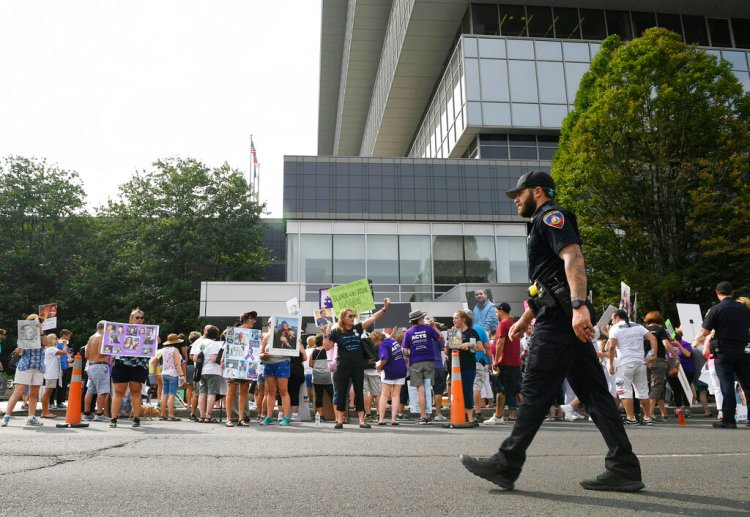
428 112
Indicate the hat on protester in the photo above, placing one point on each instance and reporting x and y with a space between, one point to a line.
417 315
173 339
532 179
248 315
724 287
503 306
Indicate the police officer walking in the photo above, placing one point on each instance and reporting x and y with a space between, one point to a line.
731 322
561 345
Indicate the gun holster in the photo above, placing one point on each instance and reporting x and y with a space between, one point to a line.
554 294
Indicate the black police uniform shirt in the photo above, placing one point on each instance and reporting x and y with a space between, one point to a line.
730 319
349 344
551 229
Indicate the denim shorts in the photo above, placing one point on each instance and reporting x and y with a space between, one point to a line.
280 370
308 380
169 384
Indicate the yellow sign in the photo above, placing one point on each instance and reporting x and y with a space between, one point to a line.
355 295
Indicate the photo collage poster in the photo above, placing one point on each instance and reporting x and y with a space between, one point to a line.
242 353
453 338
284 335
129 340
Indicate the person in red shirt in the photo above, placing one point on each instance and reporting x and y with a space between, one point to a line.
507 361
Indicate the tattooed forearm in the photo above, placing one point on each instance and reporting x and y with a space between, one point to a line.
575 271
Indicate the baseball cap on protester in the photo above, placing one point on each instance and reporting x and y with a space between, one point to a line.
505 307
532 179
724 287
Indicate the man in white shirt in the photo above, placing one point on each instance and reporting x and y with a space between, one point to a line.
629 370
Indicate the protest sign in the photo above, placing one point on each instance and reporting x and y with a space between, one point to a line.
49 313
606 319
670 329
453 338
242 353
414 406
685 385
292 307
284 335
355 295
398 314
129 340
625 299
324 318
324 299
29 336
690 320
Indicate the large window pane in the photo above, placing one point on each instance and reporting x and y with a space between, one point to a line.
522 81
491 47
512 20
738 59
576 52
525 115
448 258
485 19
382 259
592 24
471 72
348 258
643 21
741 29
316 261
671 22
494 76
695 29
511 260
415 259
567 25
573 75
548 50
718 28
292 258
551 82
539 21
552 116
618 22
496 114
479 253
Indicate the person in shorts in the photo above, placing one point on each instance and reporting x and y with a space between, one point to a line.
419 345
129 374
29 374
241 387
211 379
98 384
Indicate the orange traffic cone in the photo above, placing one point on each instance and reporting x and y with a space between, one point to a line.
73 414
458 409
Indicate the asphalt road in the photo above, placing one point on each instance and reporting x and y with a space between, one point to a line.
185 468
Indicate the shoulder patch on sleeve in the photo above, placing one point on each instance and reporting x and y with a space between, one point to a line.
555 219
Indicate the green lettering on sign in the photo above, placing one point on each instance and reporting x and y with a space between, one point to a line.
355 295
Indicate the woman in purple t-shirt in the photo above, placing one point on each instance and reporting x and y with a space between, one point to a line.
685 355
392 368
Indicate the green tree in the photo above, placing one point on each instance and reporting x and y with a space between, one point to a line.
43 227
170 228
654 162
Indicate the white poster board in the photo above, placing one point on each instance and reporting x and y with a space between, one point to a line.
691 320
284 335
29 335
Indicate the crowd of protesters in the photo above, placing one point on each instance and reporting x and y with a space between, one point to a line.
357 367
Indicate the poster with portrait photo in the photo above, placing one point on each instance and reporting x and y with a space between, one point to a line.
284 335
129 340
29 334
471 300
324 318
48 311
242 353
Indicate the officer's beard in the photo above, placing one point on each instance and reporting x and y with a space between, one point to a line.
528 207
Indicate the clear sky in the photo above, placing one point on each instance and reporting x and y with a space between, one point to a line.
106 87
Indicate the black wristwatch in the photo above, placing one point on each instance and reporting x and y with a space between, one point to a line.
577 304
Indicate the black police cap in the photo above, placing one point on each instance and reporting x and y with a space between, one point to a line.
532 179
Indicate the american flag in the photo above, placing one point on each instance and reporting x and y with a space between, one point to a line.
255 157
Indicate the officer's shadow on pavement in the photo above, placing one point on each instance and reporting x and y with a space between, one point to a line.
636 501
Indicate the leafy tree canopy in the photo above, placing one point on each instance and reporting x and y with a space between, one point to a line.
654 162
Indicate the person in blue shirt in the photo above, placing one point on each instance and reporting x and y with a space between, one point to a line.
29 372
483 368
484 312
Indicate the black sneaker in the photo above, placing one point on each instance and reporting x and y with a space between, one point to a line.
113 422
485 468
193 418
724 425
136 422
612 482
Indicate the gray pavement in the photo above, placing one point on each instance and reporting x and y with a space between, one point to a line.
184 468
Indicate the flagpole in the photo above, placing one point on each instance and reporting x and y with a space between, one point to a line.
250 178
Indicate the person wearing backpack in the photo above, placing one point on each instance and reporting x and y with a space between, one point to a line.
322 379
